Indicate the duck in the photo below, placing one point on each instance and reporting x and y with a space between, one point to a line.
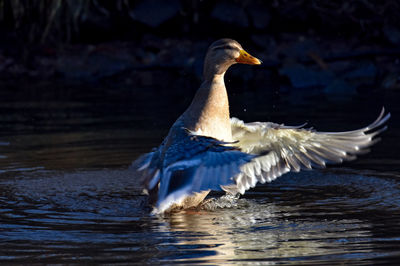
207 150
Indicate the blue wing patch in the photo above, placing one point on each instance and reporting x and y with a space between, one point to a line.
211 164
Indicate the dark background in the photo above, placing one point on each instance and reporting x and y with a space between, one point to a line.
88 86
68 65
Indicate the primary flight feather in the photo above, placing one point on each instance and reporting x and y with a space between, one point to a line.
207 150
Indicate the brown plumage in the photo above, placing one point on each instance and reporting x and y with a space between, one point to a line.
206 150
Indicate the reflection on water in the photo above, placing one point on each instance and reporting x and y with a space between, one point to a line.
51 216
66 196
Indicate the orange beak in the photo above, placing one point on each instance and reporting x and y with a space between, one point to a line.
246 58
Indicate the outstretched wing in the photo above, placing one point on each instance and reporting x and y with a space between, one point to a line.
295 148
207 171
208 164
190 164
144 170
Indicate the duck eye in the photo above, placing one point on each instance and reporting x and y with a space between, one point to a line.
225 47
228 47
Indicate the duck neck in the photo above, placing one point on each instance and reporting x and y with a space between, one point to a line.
208 113
215 70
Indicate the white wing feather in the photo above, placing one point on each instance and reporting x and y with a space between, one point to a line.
295 148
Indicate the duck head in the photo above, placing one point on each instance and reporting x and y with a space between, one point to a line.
224 53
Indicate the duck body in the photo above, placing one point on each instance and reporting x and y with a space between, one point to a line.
207 150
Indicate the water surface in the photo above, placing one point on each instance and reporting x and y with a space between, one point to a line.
67 196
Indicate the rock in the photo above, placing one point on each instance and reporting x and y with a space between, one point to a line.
265 41
391 81
364 75
259 15
302 77
301 49
5 62
364 71
230 13
91 67
155 12
392 34
340 90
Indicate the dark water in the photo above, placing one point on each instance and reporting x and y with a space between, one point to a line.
66 195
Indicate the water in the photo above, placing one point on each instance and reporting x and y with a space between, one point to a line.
66 195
